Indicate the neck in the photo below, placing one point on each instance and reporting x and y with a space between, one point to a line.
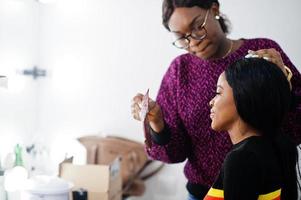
240 132
224 48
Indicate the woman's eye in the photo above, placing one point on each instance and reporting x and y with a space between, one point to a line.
217 93
198 27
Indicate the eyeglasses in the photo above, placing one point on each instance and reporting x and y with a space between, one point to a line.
198 33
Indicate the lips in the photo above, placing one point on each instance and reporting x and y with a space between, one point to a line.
211 114
197 48
201 51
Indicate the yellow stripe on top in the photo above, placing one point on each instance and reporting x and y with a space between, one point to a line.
219 194
270 196
216 193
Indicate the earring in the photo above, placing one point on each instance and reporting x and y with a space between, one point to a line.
217 17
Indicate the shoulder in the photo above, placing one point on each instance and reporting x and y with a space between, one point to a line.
241 157
241 167
263 43
260 43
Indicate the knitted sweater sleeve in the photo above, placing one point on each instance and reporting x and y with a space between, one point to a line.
176 148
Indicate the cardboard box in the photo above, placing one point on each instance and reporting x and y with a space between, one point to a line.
103 182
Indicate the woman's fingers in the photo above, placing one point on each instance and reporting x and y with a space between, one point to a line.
136 111
135 108
271 55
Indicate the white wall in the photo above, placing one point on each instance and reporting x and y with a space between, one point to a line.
18 51
275 19
99 53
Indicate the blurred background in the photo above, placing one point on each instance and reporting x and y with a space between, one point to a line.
96 55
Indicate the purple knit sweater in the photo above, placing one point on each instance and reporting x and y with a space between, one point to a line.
185 92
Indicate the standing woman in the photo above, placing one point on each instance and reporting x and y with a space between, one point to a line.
178 123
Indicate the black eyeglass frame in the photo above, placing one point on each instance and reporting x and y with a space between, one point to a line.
186 39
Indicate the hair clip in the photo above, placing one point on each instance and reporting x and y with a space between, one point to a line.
250 55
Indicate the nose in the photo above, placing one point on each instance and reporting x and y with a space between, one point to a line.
211 103
193 45
193 42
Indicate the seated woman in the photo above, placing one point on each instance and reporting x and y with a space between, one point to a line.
252 98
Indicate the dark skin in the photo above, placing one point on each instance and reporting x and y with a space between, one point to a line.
214 45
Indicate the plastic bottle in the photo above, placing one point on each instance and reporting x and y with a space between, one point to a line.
16 177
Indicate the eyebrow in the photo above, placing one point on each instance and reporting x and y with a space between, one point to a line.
190 25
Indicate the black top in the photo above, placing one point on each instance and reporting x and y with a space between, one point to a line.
251 170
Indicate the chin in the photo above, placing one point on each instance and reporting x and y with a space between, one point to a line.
216 127
213 126
206 55
201 56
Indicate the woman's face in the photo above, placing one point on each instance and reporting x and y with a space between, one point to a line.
184 21
223 111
